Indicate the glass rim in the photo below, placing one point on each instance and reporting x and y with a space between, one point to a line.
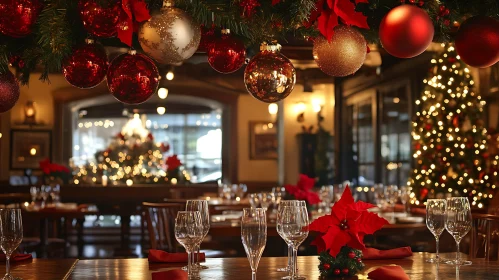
11 209
254 209
437 199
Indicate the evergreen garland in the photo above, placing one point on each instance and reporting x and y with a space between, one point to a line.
347 263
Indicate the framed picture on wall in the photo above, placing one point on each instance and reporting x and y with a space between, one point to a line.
263 140
29 147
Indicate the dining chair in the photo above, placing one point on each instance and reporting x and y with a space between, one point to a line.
484 237
160 219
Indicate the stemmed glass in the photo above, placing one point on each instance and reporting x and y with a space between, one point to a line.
392 196
280 207
404 196
254 235
254 200
265 199
11 235
189 233
458 223
379 195
293 223
435 222
202 207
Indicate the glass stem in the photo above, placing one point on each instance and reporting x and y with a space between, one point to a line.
457 252
437 257
189 263
7 264
290 257
197 256
295 256
253 275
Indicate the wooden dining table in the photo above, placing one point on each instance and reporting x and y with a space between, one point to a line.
238 268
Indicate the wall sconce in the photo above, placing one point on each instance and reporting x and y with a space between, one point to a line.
300 108
316 105
30 113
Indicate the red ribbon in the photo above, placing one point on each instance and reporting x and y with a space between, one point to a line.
133 10
328 16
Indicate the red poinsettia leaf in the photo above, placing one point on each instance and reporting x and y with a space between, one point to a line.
140 11
361 1
346 11
319 6
319 243
326 23
305 182
330 3
125 35
334 239
312 198
368 223
291 189
362 206
356 241
341 207
323 223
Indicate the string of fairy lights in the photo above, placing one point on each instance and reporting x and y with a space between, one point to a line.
450 140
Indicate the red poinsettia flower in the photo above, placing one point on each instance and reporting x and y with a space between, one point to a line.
45 166
303 190
173 163
347 225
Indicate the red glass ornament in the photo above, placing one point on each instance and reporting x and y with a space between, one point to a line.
337 272
358 260
326 266
406 31
87 66
17 17
269 75
9 91
132 78
227 53
345 271
207 38
100 21
477 41
351 255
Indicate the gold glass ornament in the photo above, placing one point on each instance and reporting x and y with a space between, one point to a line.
269 75
344 55
170 36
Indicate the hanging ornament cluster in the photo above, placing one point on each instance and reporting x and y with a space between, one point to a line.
477 41
343 55
87 66
227 54
269 75
17 17
406 31
100 21
9 91
132 78
170 36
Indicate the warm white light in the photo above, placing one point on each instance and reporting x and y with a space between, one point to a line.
300 107
170 75
174 181
273 108
32 151
162 93
161 110
396 100
129 182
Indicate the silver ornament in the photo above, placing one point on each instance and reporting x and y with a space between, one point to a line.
170 36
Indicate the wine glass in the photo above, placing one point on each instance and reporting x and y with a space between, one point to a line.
280 207
404 193
265 199
189 233
254 200
293 223
327 196
379 195
458 223
254 235
202 207
435 222
11 235
392 196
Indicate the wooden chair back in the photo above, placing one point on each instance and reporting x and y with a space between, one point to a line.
484 237
160 219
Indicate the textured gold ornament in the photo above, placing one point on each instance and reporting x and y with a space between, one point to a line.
344 55
170 36
270 76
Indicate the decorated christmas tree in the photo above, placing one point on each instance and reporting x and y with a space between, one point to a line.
450 141
133 157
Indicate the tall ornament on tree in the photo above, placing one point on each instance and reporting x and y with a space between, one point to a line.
270 76
406 31
450 142
9 91
17 17
87 66
343 55
170 36
101 21
132 78
227 54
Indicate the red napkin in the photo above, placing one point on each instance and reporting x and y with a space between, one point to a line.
16 257
388 272
397 253
174 274
164 257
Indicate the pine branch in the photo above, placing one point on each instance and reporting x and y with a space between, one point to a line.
4 59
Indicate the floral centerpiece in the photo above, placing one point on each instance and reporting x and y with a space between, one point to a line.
303 190
54 173
341 236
